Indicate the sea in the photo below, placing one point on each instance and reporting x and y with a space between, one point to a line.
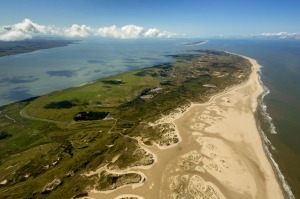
36 73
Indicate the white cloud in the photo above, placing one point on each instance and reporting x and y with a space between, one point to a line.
125 32
27 29
14 36
78 31
152 32
24 30
282 35
27 26
131 31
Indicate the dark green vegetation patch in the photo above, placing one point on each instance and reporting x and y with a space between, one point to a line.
113 81
90 116
4 135
112 181
60 105
49 144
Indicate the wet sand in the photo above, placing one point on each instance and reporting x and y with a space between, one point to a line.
220 154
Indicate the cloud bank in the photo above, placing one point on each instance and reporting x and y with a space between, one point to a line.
27 29
282 35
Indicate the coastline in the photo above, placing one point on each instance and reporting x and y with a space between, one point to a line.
267 145
219 128
209 132
22 47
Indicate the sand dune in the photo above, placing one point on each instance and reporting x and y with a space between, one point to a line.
221 154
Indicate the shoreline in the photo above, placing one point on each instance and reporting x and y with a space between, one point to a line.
266 144
264 139
271 181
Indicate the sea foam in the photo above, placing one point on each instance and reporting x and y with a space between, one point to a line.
264 107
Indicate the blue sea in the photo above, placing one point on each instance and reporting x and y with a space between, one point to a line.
31 74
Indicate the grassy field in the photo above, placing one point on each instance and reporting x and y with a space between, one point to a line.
45 151
103 95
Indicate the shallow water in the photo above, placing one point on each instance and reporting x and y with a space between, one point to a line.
40 72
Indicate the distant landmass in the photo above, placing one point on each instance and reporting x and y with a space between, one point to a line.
197 43
25 46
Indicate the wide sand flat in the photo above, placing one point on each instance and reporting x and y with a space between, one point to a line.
220 155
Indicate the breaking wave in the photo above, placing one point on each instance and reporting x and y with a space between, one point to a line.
264 107
281 177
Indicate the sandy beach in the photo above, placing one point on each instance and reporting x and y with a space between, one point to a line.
220 153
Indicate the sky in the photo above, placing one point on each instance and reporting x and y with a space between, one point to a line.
152 18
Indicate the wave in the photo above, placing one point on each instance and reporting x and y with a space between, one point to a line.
267 143
265 114
281 177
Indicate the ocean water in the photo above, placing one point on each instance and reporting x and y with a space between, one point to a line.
40 72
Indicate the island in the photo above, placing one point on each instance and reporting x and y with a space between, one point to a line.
197 43
25 46
184 129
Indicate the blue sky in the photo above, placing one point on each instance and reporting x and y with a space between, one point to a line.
195 18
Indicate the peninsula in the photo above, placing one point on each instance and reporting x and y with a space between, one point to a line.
25 46
184 129
197 43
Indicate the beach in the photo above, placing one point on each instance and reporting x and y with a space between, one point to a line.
220 154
